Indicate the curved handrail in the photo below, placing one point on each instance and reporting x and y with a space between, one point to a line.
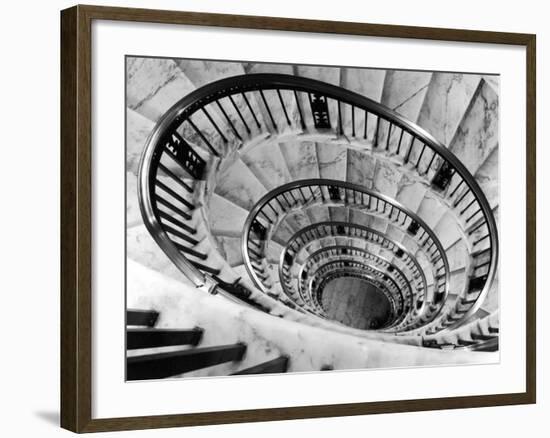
431 241
360 269
210 93
312 259
317 257
384 239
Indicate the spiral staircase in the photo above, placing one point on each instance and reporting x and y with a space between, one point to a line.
308 218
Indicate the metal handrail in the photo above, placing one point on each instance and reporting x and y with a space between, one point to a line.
384 239
317 256
261 206
361 269
390 277
387 244
455 171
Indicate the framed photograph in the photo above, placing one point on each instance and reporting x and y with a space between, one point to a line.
304 218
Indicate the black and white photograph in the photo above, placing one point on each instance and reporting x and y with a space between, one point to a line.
287 218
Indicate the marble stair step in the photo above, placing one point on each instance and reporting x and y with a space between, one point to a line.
360 218
339 214
410 192
273 252
225 217
297 220
368 83
301 159
202 72
430 209
457 255
273 101
404 92
446 101
387 178
230 249
237 183
154 85
477 133
215 260
361 167
329 75
318 213
268 164
332 160
447 230
283 233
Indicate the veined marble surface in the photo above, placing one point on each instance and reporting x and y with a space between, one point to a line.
477 134
460 110
332 160
446 102
301 159
360 168
267 337
268 165
238 184
404 91
154 85
225 217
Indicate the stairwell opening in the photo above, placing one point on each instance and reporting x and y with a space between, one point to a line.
356 302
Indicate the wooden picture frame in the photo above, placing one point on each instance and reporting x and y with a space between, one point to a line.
76 217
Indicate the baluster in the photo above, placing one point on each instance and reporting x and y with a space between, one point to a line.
420 156
203 138
410 150
468 206
461 197
175 178
207 114
172 207
179 234
231 125
302 122
174 221
389 135
375 143
473 215
174 194
283 106
190 251
240 114
251 110
400 140
268 110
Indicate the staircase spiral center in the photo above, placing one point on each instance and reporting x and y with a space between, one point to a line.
356 302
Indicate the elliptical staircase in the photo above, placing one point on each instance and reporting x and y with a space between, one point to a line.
266 188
